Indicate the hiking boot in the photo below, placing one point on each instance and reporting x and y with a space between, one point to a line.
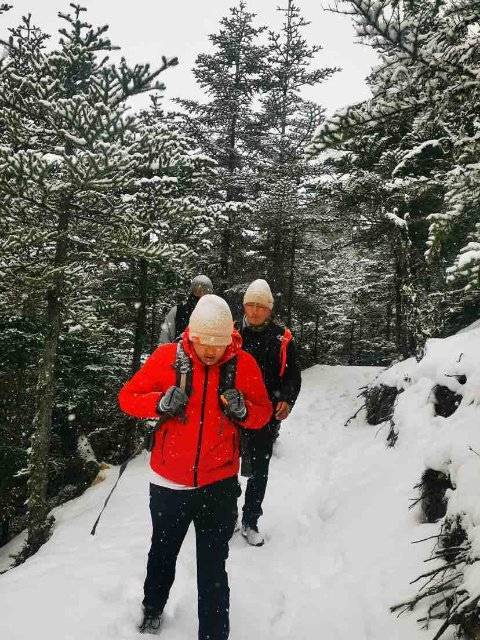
151 621
252 535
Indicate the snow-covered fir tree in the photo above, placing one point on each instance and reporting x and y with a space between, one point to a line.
68 150
428 122
230 76
169 220
285 124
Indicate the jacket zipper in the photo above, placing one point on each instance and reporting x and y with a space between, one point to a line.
200 432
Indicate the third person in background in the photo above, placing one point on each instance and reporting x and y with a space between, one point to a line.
273 348
176 320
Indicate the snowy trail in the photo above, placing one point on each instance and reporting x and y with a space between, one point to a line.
338 550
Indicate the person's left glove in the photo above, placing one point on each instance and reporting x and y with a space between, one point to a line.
234 404
173 401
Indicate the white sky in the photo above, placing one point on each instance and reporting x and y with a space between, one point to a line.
148 29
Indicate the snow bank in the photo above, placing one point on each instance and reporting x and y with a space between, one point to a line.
450 445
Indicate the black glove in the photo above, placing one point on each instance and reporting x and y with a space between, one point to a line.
173 402
234 405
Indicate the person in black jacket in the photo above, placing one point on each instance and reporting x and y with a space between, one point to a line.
273 348
176 320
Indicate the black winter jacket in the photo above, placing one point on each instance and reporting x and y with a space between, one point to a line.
184 311
264 344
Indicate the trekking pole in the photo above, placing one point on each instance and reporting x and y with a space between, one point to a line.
183 368
123 466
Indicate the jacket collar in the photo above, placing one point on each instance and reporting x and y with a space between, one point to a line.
232 349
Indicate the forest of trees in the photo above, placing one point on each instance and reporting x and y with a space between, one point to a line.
366 224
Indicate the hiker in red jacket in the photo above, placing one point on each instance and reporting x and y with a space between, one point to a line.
204 390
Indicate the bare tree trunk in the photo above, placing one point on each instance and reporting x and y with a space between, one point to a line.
398 308
4 530
403 302
350 343
300 341
139 342
359 341
388 320
225 251
275 249
45 396
315 346
232 192
226 248
154 335
141 317
291 283
276 277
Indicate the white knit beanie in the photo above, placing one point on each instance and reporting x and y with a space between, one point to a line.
211 321
259 292
200 285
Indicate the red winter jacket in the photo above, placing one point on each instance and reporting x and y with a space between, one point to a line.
195 453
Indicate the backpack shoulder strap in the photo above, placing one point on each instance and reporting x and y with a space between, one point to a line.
183 370
183 379
228 372
285 340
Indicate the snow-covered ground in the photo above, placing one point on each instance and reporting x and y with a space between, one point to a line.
338 550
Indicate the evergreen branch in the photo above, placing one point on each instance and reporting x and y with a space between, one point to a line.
139 79
373 14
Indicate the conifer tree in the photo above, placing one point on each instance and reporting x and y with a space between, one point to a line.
429 62
69 149
170 214
230 77
287 123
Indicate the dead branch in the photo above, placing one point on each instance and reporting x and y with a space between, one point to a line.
355 415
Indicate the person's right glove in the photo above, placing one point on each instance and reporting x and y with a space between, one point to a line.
234 404
173 401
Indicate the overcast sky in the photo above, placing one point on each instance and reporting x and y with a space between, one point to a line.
148 29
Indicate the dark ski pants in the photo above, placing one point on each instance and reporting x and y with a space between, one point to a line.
213 511
257 449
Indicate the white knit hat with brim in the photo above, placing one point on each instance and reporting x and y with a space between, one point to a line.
211 321
260 293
